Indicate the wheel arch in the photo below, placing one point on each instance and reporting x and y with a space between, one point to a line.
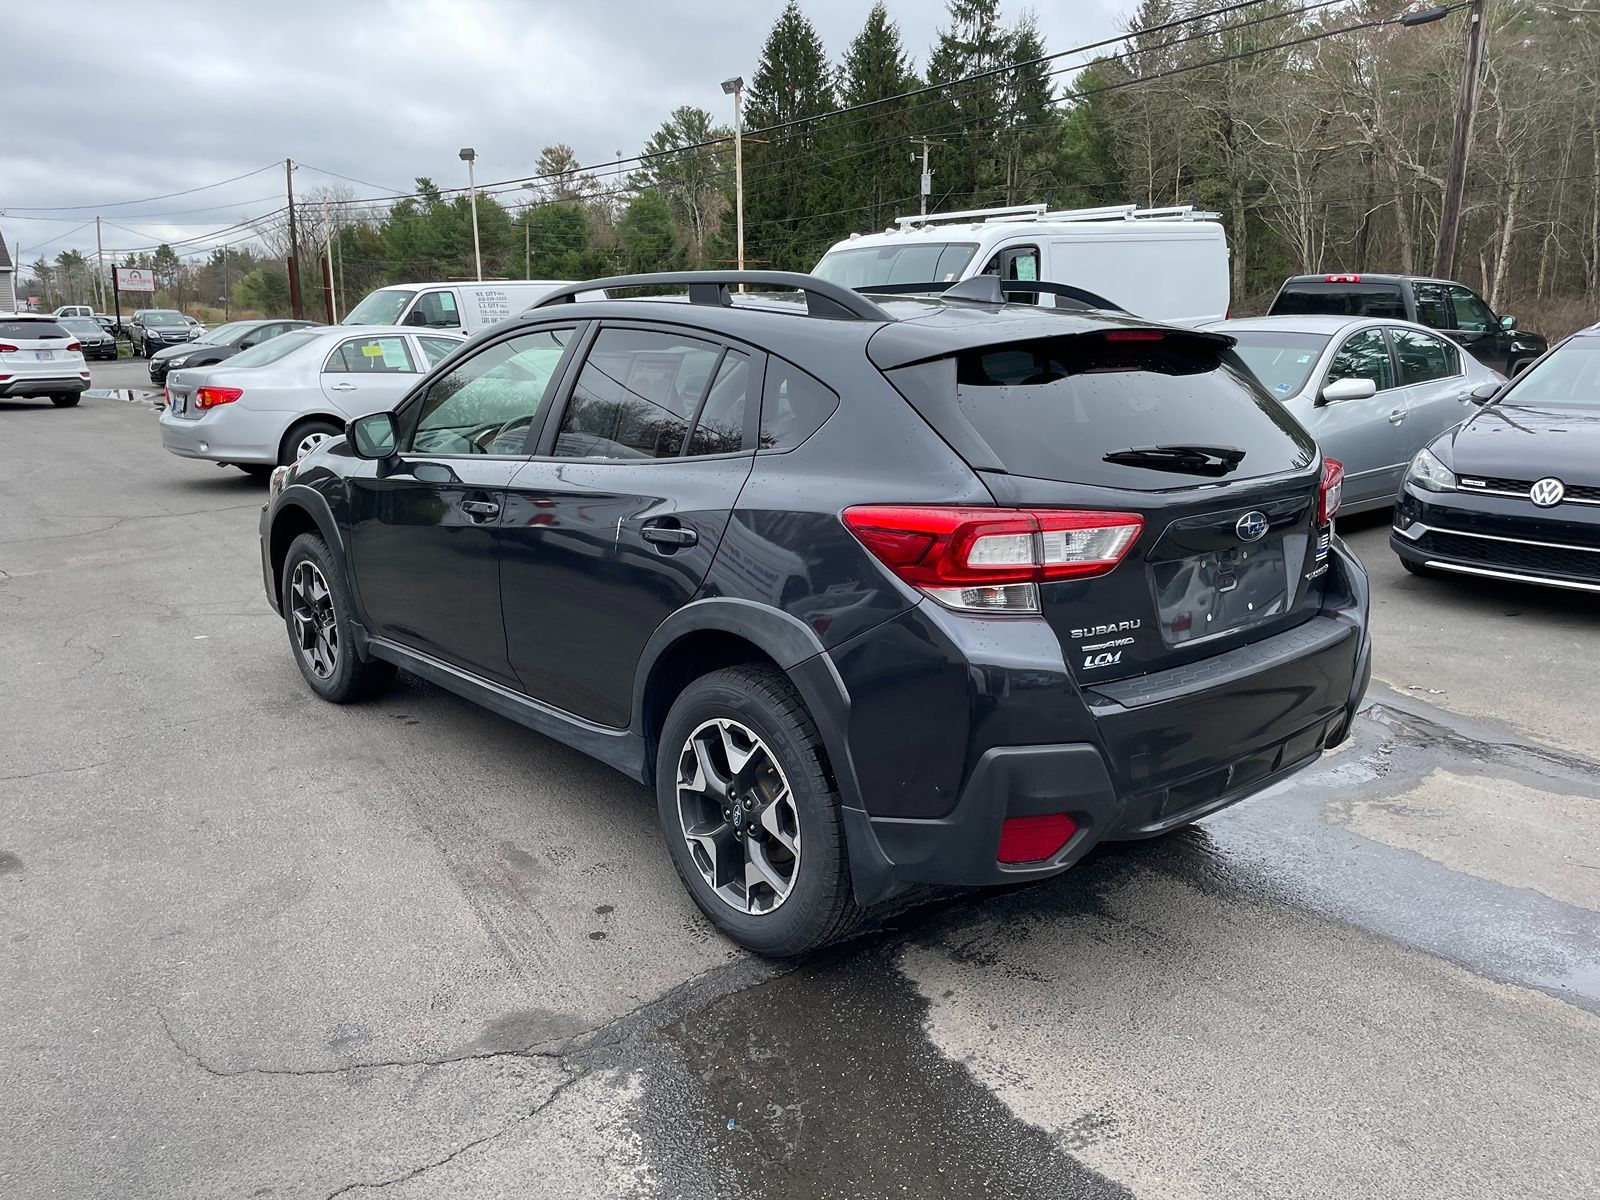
718 632
299 419
301 510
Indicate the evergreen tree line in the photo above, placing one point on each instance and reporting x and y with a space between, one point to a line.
1320 152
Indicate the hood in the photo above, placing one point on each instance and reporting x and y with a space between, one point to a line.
1506 441
174 351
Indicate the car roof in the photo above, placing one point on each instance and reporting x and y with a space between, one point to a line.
1336 277
28 316
474 283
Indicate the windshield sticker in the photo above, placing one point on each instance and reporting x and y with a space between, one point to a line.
372 350
1281 388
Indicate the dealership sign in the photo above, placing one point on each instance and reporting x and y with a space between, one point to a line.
134 279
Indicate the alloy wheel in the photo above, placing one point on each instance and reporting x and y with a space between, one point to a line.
738 816
316 628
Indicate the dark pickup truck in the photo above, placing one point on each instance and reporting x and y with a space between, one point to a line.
1452 308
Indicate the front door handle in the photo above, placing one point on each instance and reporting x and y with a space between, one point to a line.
480 510
669 535
341 387
1397 416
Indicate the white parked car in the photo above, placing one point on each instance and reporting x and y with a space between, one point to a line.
1163 264
464 308
275 402
38 357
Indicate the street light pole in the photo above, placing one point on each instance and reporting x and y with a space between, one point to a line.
470 156
735 87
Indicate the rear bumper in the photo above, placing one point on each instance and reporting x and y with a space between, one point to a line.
226 434
40 385
1149 755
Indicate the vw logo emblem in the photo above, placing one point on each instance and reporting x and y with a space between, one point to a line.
1548 492
1251 527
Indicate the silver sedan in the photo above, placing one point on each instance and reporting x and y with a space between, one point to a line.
276 401
1372 392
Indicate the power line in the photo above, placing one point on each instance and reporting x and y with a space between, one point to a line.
146 200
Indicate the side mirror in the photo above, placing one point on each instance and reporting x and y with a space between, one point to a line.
247 343
374 436
1485 392
1508 322
1347 389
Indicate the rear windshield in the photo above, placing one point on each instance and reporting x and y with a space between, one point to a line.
909 262
1339 300
1054 408
1281 361
82 326
31 329
271 350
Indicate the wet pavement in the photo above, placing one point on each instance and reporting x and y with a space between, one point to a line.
257 946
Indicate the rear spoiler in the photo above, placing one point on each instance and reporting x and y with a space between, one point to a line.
991 289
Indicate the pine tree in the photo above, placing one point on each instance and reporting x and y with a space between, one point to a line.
786 181
691 181
1029 122
867 153
975 42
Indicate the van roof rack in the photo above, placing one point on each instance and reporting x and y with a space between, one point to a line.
991 289
823 297
1021 213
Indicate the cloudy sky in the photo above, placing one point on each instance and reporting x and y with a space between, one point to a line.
191 92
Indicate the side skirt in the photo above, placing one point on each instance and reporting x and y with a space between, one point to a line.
619 748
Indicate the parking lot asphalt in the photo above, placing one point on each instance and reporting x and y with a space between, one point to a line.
255 945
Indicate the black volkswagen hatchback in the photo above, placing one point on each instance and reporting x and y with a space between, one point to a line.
874 592
1514 493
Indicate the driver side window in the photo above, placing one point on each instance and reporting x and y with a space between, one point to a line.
436 310
1364 355
1472 314
489 403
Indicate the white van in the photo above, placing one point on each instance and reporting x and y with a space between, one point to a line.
1163 264
452 307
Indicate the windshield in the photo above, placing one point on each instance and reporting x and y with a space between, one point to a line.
1281 361
271 351
909 262
83 326
383 307
223 334
162 317
1569 377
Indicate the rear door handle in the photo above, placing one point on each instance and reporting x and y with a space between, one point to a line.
669 535
1397 416
341 387
480 510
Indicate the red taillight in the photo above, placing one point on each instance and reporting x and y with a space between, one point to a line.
992 558
210 397
7 348
71 346
1135 335
1034 839
1332 490
1342 279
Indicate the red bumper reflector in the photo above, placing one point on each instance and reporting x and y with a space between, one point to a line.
1034 839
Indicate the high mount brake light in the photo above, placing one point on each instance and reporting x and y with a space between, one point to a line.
1342 279
992 559
210 397
1331 492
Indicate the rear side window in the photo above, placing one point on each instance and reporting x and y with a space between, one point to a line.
793 406
369 356
1423 357
1055 408
1340 300
31 329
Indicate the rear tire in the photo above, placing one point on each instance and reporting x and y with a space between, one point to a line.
64 399
321 624
744 796
303 438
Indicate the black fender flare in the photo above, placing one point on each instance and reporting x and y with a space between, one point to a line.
316 506
792 644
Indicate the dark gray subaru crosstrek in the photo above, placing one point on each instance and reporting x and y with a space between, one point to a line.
874 592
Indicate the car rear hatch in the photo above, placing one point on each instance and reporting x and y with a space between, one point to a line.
31 348
1106 426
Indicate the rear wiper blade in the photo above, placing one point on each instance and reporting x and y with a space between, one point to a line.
1196 460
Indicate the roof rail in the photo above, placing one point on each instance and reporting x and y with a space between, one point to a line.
994 290
1023 213
823 298
973 214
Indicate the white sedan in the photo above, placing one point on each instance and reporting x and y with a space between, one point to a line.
276 401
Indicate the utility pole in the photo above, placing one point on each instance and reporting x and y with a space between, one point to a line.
100 270
1456 176
527 246
294 246
327 254
927 174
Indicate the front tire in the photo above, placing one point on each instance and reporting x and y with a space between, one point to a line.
750 815
321 623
